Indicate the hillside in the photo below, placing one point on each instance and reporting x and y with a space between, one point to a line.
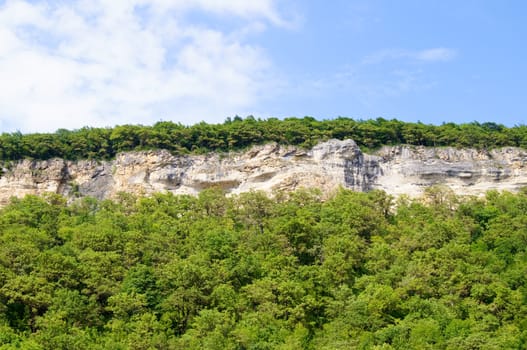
316 244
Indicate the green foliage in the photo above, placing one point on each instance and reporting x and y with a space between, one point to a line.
295 271
105 143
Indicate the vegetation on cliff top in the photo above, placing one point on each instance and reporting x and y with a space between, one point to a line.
105 143
250 272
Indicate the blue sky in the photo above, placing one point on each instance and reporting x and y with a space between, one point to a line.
69 64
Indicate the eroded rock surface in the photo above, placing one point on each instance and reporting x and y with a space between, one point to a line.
396 170
408 170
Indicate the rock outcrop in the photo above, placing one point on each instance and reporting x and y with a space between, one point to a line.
409 170
396 170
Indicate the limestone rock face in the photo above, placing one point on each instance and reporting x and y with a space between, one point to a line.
408 170
396 170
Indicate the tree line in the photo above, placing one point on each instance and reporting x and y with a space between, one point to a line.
239 133
253 272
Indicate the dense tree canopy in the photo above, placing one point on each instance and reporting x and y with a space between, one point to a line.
253 272
238 133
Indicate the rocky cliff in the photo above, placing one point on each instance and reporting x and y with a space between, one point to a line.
396 170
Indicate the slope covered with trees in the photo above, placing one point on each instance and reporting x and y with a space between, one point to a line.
251 272
104 143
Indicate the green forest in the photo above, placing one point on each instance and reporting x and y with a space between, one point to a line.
239 133
292 271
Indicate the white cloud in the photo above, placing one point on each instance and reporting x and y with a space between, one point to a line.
101 63
438 54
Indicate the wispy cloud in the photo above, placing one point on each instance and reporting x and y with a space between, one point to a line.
438 54
99 63
366 85
385 74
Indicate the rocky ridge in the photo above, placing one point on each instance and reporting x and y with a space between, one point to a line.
395 169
